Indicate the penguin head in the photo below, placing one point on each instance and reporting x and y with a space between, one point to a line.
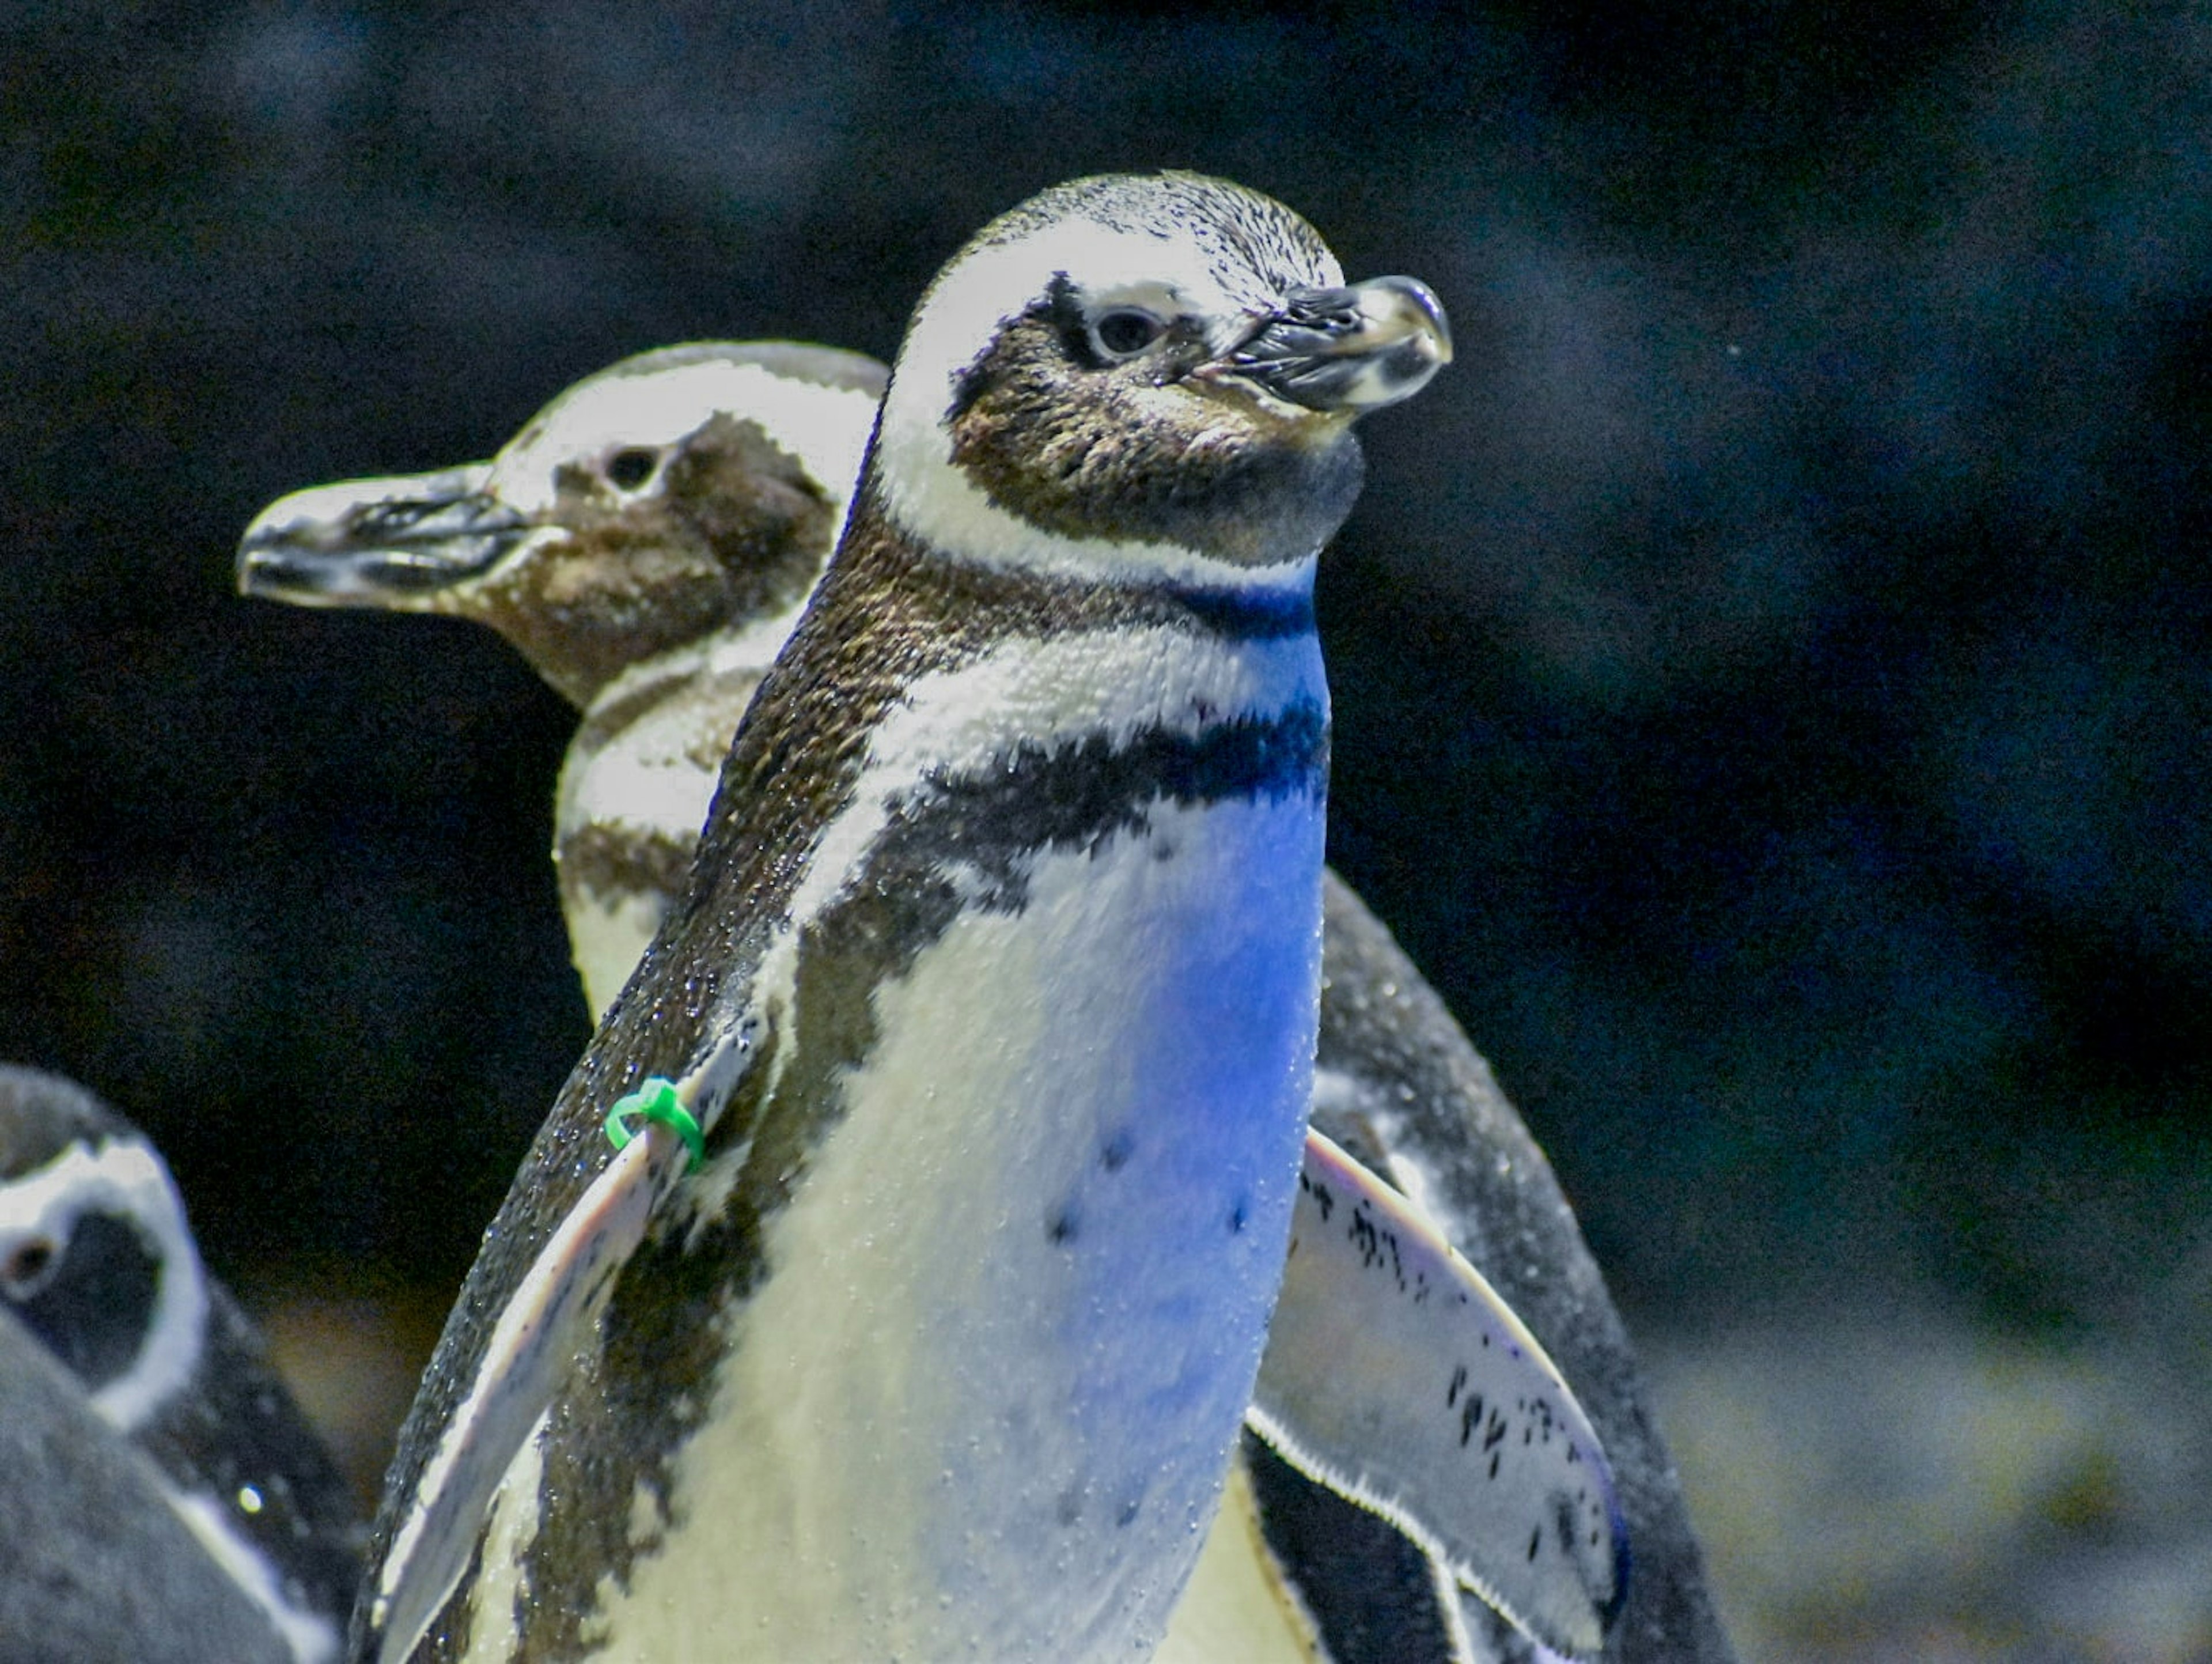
96 1258
677 493
1169 361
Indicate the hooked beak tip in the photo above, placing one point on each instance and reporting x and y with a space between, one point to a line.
394 542
1407 309
1349 350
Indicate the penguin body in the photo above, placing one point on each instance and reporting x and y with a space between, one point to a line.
994 994
1292 1569
96 1565
98 1264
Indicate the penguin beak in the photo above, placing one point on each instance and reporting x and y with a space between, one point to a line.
1348 351
392 543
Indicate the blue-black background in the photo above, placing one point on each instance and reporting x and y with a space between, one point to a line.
1769 665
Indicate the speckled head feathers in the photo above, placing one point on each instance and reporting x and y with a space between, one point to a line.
41 1115
1096 386
1252 247
677 493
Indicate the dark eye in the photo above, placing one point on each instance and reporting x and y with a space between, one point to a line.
627 470
1126 331
23 1269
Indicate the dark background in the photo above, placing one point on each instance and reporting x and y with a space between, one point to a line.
1770 664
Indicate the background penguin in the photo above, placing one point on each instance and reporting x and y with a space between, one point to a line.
96 1565
1095 725
1401 1086
98 1267
647 541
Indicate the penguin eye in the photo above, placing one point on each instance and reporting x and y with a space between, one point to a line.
627 470
1125 332
23 1270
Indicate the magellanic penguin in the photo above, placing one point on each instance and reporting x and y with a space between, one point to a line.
96 1565
596 495
99 1266
993 994
647 541
1402 1083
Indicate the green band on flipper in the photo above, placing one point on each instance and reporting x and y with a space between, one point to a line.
656 1101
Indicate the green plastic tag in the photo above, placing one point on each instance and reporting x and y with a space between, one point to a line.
656 1101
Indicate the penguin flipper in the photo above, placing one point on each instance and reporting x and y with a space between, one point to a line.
1395 1375
528 1356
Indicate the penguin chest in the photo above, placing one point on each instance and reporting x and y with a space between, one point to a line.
633 794
982 1405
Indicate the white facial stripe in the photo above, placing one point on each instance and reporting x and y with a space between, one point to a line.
127 1178
1167 302
990 285
974 299
825 427
310 1636
933 499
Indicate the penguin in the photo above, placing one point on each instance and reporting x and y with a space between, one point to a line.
1401 1082
988 1013
96 1566
99 1268
646 541
550 495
